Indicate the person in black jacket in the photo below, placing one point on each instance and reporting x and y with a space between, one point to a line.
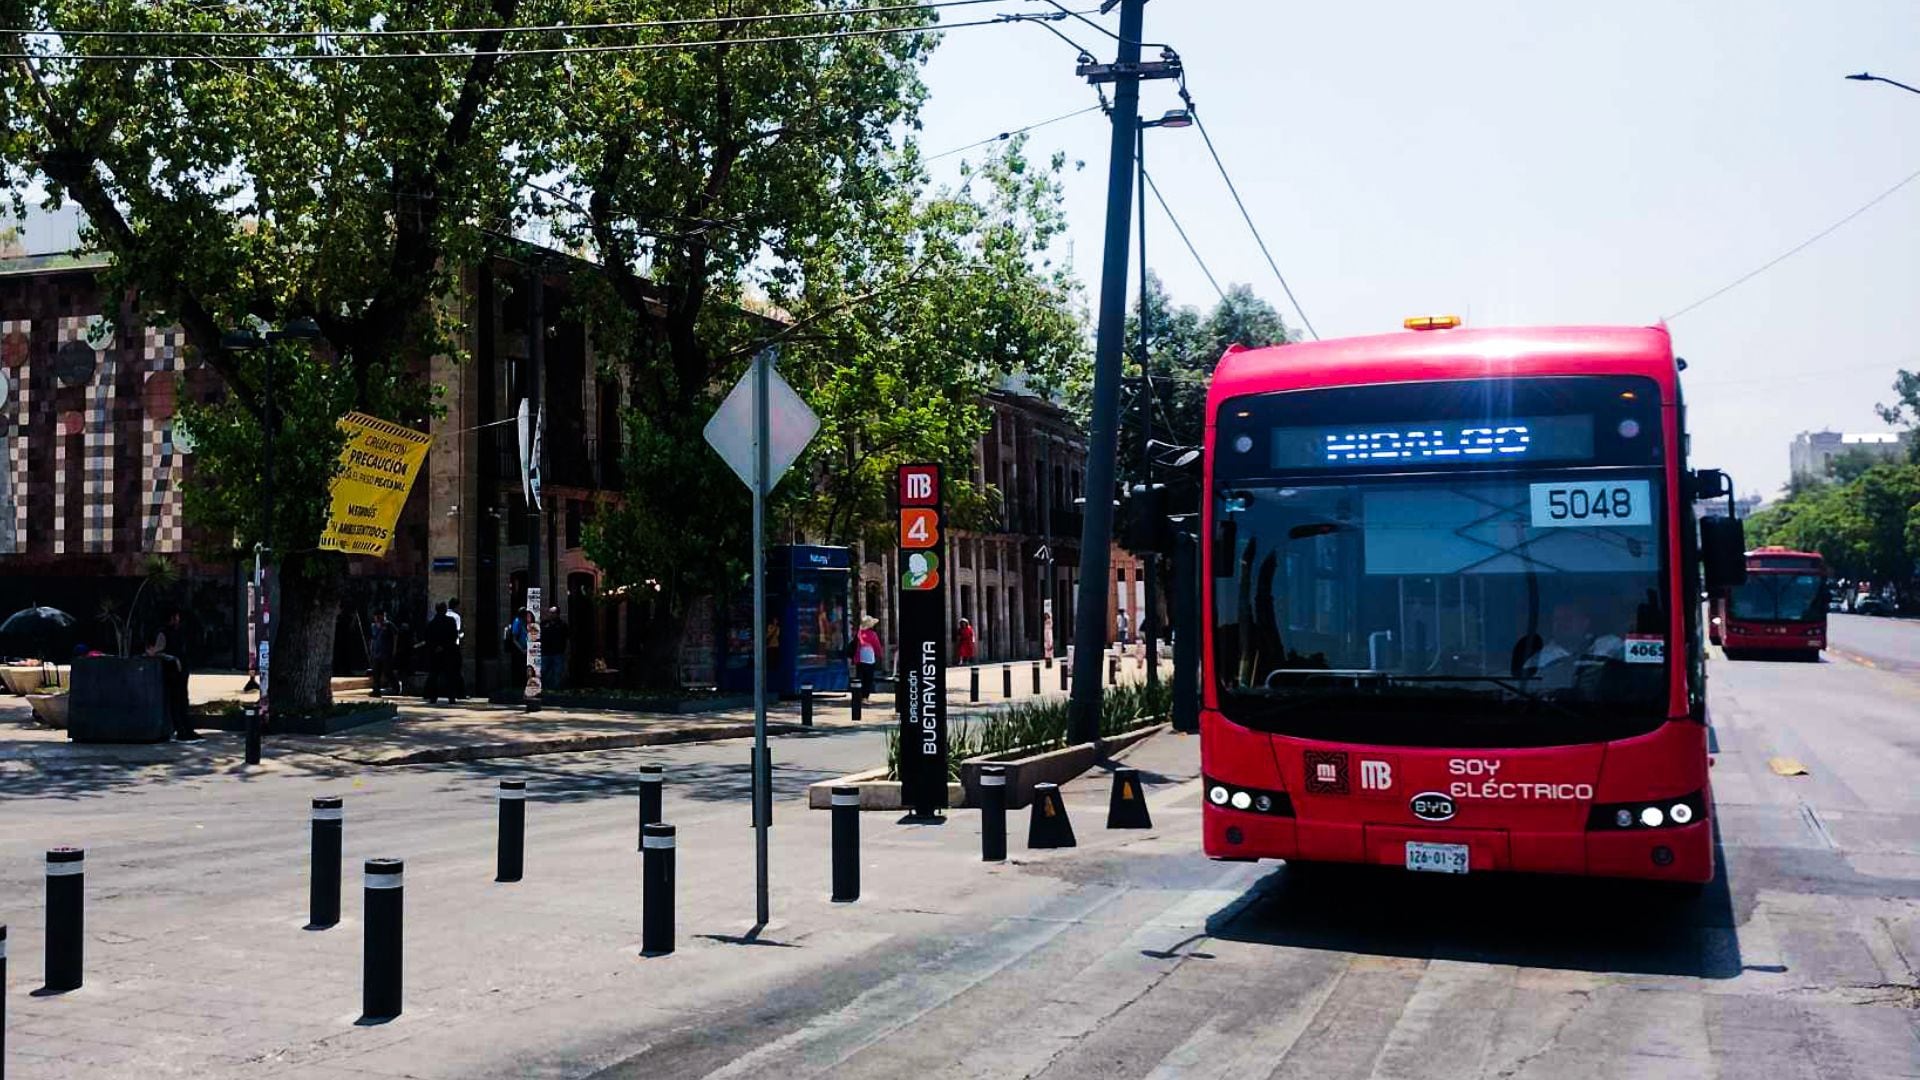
169 645
443 657
381 652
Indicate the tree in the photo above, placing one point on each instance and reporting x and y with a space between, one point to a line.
1905 410
1867 528
952 293
229 191
699 179
1185 346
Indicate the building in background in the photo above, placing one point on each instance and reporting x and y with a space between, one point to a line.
1810 456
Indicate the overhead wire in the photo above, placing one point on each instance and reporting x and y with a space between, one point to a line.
1005 135
510 53
1795 249
1168 210
1194 112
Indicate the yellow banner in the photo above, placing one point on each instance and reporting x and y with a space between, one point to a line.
377 469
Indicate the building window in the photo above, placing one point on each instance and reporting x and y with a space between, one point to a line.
516 519
576 520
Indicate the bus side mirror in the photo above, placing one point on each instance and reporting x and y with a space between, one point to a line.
1723 548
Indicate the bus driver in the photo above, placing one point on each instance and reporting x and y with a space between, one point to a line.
1570 642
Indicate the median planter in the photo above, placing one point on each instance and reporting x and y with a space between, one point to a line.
231 716
49 709
876 791
1048 766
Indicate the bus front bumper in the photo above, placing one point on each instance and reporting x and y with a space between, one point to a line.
1679 853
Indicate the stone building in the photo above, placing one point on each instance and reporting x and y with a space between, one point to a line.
1003 577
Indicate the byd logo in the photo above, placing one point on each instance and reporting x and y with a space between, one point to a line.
1432 806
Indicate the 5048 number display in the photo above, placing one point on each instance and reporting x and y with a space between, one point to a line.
1590 504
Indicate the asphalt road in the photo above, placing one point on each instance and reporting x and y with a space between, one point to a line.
1129 956
1893 644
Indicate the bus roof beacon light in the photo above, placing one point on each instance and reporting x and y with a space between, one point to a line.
1432 322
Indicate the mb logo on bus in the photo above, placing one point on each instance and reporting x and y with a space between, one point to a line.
1375 775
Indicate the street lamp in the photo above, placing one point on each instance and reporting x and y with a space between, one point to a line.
1149 622
253 337
1867 76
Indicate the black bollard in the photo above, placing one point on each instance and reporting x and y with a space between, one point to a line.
66 922
1036 678
656 891
857 691
806 704
652 783
1113 670
1063 676
253 734
973 684
1127 808
993 813
3 997
1049 827
1006 680
323 891
513 830
846 844
380 956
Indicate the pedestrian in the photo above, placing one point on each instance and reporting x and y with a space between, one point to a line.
443 656
380 652
459 669
866 654
169 645
1120 624
555 634
968 641
513 639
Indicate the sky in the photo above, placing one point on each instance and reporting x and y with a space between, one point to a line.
1523 164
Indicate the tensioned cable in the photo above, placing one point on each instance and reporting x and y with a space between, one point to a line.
1168 210
1005 135
1794 250
472 54
456 31
1244 215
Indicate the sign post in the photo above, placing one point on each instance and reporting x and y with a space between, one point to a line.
923 643
777 425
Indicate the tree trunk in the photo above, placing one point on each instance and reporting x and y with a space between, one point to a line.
301 676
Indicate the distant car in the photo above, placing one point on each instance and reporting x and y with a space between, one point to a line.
1872 605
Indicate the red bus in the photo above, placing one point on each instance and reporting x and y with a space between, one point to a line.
1781 610
1441 629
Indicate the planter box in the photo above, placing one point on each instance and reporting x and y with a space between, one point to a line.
49 709
118 700
24 679
1049 767
371 713
876 791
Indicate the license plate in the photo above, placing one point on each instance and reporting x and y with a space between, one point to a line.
1437 858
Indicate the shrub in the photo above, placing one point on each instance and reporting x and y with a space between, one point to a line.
1038 726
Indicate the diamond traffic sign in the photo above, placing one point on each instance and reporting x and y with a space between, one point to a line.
791 426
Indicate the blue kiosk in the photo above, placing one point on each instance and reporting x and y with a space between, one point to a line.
807 607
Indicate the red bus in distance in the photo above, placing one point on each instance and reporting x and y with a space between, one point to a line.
1446 621
1780 611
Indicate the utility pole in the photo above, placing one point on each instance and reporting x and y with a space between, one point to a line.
1149 564
536 403
1103 442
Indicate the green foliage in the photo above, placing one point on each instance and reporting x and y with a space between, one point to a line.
1184 346
244 194
1905 410
1034 727
1866 528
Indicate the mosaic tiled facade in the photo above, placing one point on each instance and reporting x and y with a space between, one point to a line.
92 465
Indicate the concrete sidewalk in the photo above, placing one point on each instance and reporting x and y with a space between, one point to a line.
423 734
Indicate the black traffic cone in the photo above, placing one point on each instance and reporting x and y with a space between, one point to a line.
1049 827
1127 809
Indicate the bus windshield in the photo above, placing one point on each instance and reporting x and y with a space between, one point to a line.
1506 608
1777 597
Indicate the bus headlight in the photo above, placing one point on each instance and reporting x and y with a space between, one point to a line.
1681 813
1651 817
1623 817
1218 795
1277 803
1667 813
1242 800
